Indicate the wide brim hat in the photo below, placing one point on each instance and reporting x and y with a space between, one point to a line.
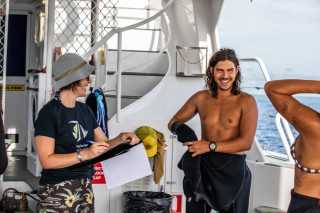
69 68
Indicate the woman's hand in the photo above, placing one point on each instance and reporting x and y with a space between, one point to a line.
96 149
129 136
197 147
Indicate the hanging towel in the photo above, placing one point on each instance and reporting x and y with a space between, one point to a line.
97 102
156 150
159 158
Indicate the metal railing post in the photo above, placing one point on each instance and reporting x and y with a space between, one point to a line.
4 71
119 86
283 136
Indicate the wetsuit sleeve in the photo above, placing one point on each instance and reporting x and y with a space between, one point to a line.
184 132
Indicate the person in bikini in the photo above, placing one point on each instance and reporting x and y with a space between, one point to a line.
305 196
228 119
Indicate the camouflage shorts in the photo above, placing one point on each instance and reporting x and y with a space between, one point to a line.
68 196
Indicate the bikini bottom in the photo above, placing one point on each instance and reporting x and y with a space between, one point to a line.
303 204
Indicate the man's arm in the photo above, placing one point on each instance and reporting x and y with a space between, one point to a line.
280 94
186 112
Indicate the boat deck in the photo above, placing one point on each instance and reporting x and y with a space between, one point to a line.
17 171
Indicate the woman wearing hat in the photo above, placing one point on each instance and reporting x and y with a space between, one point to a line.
62 131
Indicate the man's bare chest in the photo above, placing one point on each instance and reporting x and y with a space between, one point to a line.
225 114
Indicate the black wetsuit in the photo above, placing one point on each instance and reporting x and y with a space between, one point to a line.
226 179
213 180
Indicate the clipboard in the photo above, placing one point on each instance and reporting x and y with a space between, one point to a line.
115 151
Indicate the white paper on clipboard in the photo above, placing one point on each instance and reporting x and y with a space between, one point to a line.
126 167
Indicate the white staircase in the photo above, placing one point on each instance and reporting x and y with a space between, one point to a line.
136 80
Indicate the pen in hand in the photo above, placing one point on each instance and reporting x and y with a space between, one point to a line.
89 142
92 142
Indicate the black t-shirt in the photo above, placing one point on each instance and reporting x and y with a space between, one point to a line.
70 128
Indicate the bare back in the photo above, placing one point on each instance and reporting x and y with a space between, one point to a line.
307 122
307 149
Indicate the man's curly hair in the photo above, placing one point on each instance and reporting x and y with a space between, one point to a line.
222 55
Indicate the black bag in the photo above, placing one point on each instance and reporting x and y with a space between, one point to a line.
13 200
146 202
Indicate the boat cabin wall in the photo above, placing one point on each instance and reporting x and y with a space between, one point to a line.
23 53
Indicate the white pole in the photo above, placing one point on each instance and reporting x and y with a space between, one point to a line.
50 11
4 71
119 76
4 74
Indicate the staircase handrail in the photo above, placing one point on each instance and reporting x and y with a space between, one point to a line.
149 61
119 31
114 31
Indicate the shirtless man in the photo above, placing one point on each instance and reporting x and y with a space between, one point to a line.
228 119
305 197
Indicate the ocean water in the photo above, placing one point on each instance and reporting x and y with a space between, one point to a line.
267 133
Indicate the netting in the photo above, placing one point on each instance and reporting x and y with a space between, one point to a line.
2 33
80 23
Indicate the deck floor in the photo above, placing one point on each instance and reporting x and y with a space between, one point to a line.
17 171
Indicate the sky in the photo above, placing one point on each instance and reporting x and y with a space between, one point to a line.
284 33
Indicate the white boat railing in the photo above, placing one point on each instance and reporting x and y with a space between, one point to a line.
119 32
261 64
285 133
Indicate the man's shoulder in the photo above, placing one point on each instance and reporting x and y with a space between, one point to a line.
246 97
201 93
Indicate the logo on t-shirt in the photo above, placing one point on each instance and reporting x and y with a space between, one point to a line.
78 131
